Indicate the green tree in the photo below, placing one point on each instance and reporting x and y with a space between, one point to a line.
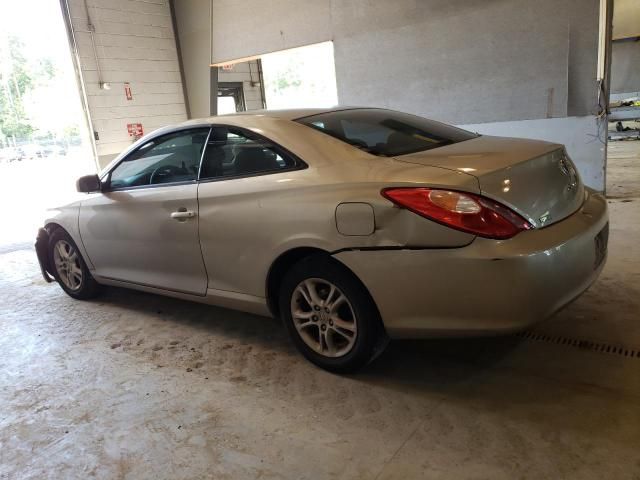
15 80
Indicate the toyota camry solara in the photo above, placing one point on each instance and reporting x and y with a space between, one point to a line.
353 225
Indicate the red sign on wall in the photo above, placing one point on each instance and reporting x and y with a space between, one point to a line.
127 91
135 130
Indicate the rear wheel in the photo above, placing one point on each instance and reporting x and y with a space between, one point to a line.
69 268
329 314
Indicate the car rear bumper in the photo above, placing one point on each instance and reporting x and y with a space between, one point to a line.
489 286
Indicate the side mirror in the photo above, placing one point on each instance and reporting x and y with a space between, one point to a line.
88 184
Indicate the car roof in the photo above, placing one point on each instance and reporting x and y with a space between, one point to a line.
285 114
234 118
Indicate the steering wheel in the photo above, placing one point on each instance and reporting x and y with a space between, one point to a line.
162 174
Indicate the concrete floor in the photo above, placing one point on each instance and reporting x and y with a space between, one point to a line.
137 386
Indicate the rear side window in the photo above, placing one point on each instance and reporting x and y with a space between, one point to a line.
385 132
233 152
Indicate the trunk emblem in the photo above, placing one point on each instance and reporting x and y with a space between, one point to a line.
544 218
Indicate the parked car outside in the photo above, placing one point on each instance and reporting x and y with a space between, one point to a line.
11 154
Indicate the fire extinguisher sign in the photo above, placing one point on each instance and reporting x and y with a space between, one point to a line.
127 91
135 130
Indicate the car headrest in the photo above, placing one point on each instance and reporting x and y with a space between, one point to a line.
218 135
397 141
254 159
212 161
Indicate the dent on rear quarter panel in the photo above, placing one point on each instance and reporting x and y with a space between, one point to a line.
245 224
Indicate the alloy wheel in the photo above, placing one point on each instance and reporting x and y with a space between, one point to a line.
67 262
324 317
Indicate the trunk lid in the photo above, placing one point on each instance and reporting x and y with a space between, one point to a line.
534 178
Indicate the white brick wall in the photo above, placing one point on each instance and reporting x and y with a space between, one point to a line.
135 43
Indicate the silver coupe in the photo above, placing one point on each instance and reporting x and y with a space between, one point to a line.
353 225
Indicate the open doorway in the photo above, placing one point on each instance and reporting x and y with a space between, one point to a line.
240 87
44 142
302 77
230 98
623 159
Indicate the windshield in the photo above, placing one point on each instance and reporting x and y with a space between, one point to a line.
386 132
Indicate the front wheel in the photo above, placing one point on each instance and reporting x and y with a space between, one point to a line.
69 268
329 314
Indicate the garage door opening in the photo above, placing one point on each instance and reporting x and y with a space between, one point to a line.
230 97
240 87
623 163
303 77
44 142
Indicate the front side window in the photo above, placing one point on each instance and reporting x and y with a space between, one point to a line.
172 158
233 152
385 132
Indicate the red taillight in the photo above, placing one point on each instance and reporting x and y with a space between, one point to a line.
460 210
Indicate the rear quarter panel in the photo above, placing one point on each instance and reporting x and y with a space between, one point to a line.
246 223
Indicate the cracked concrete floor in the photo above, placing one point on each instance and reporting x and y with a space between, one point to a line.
131 385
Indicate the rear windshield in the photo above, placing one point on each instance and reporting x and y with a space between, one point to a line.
385 132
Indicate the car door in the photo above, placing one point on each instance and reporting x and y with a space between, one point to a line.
241 173
143 228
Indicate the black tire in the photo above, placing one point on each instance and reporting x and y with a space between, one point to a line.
368 324
88 287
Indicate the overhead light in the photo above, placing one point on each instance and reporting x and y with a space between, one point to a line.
105 86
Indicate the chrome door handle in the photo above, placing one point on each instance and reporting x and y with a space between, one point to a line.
183 214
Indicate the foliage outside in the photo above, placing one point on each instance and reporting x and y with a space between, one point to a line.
28 90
